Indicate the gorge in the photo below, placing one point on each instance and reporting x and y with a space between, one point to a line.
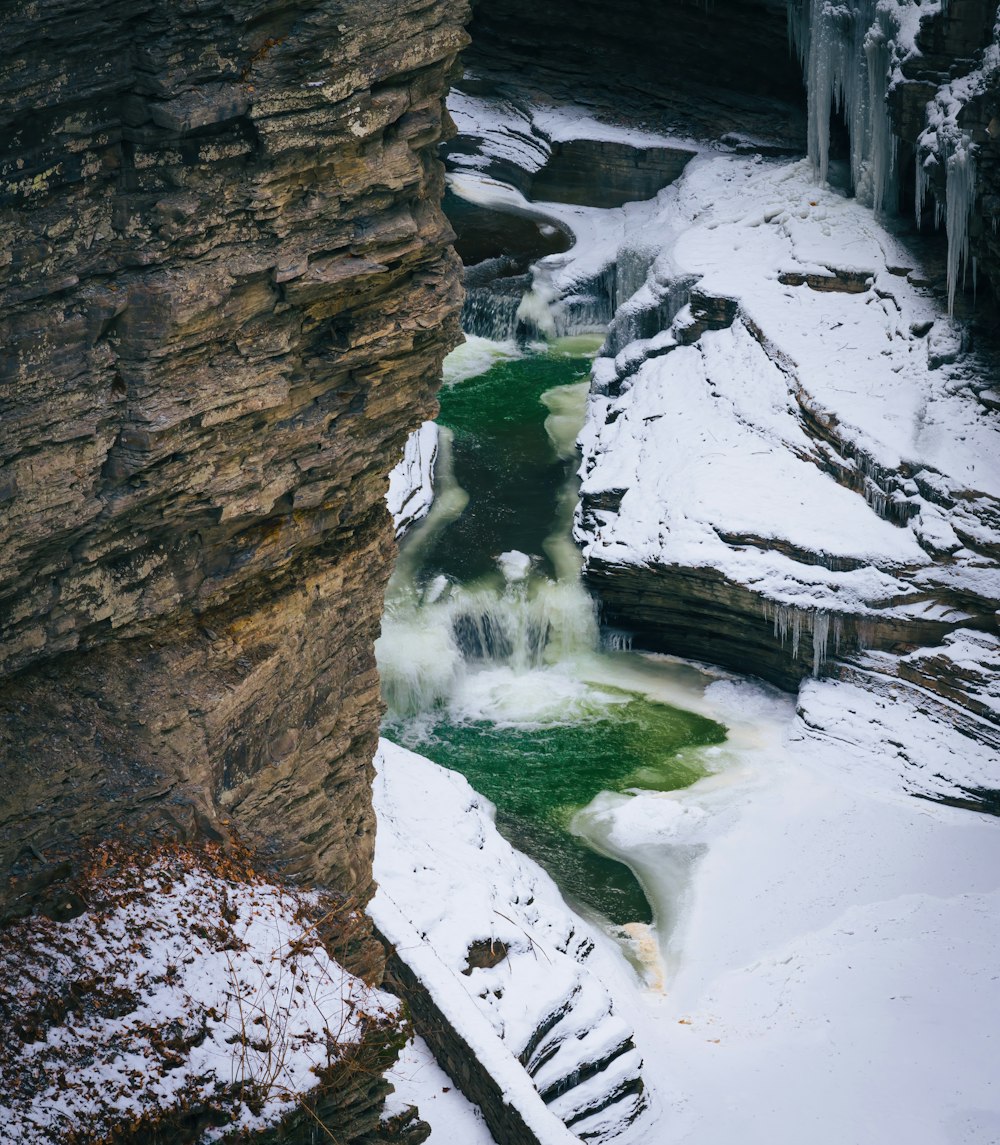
229 288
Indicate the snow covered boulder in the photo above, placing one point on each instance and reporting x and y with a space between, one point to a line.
411 483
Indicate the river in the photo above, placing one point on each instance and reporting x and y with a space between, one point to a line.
491 656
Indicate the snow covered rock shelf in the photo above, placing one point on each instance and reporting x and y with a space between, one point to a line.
179 996
798 465
510 988
571 173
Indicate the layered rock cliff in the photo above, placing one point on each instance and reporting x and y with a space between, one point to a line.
695 60
227 290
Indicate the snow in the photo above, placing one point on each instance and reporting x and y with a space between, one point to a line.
199 986
721 410
461 1014
829 939
447 880
411 482
503 132
929 754
523 133
419 1081
514 565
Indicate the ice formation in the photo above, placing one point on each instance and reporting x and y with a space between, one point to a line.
943 141
851 55
788 625
848 54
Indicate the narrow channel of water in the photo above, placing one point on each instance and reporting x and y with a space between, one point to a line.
490 654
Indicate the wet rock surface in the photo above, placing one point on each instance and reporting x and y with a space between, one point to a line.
227 295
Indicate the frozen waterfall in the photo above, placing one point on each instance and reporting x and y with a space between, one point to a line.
847 53
850 54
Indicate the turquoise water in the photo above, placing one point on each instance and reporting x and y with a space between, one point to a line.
502 678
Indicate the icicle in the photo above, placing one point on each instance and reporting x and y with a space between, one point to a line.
922 186
616 640
821 636
848 54
961 195
788 621
882 143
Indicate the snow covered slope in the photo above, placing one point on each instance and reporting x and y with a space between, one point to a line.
831 968
502 937
806 428
185 994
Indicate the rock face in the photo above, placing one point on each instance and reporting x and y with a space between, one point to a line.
958 55
716 54
226 295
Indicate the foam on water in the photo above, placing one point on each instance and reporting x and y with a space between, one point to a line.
475 356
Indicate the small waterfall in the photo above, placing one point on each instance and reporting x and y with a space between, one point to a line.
491 306
518 624
432 643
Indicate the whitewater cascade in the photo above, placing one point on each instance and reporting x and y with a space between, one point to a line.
516 624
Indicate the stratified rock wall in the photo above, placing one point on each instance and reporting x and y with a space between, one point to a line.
226 293
729 46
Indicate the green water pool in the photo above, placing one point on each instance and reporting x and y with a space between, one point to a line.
540 777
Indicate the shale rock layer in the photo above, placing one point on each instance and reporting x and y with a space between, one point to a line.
227 291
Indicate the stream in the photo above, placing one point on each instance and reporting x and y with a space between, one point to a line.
491 656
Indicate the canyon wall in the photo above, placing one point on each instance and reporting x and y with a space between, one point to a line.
957 58
649 50
227 290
